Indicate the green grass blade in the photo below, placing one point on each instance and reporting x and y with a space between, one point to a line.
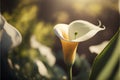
106 63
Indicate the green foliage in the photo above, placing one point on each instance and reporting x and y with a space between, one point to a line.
106 65
44 33
24 18
83 68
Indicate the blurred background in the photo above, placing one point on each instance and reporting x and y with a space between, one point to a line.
39 56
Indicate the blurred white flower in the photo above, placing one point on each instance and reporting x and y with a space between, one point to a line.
10 36
10 63
44 51
98 48
17 66
42 68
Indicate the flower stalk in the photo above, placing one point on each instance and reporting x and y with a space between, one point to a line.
69 69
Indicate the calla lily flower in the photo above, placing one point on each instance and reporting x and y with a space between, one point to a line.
70 35
10 37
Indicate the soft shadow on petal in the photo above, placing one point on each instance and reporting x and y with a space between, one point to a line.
85 30
61 30
79 28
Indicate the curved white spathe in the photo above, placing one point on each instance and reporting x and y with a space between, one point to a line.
13 33
77 31
10 35
61 30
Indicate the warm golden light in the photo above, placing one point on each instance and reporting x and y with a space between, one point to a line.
69 51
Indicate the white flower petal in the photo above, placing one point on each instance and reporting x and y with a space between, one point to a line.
77 31
47 53
44 51
61 30
9 36
98 48
84 30
42 68
13 33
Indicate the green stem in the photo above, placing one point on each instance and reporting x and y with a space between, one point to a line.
69 72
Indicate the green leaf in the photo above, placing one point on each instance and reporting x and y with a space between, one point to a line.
106 64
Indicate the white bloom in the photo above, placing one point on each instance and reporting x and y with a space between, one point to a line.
77 31
9 36
44 51
71 34
42 68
